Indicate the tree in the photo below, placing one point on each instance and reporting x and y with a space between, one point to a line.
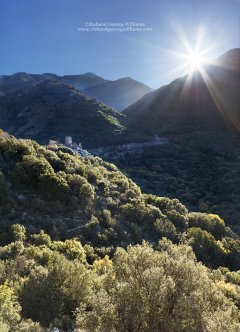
9 308
209 222
42 239
56 291
19 232
72 249
206 247
158 291
29 170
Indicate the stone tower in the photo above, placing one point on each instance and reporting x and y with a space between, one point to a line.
68 140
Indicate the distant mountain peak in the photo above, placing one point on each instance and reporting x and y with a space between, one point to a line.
83 81
89 73
126 78
119 93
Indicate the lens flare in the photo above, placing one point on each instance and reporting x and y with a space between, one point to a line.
195 61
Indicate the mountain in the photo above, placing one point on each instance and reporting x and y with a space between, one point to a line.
200 117
118 94
204 102
51 109
83 81
9 83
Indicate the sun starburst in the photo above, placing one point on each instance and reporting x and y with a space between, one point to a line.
195 60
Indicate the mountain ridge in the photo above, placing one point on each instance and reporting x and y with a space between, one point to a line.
126 90
51 110
207 102
119 93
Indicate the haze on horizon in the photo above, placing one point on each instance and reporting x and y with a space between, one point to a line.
40 37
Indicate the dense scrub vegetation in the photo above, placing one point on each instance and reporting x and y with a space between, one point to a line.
46 284
73 254
67 195
201 170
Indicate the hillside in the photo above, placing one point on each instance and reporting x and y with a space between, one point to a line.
200 165
118 94
200 169
52 110
75 270
70 195
203 103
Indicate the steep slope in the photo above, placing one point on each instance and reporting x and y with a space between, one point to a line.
118 94
204 102
51 109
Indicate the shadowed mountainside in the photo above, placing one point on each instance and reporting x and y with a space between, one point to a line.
120 93
208 101
53 110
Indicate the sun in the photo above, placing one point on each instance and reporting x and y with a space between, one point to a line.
195 61
192 55
196 52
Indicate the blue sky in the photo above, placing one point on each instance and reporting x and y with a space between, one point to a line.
42 36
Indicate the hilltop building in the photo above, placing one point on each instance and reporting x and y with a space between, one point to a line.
68 142
53 143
